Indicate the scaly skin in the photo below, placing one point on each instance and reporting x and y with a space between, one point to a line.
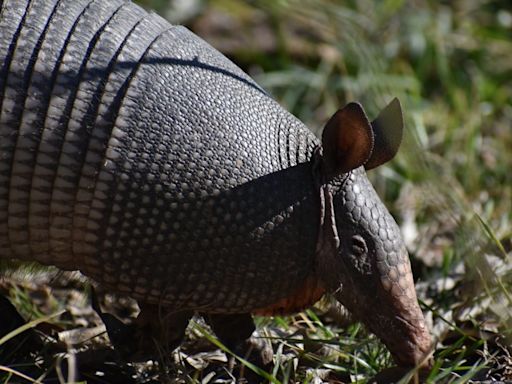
134 152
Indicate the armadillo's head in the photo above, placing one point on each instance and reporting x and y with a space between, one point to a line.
362 257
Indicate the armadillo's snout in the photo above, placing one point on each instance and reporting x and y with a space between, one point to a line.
400 323
389 308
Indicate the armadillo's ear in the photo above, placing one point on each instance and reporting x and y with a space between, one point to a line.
387 131
347 140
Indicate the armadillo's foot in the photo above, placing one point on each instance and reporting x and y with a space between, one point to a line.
235 331
153 335
158 332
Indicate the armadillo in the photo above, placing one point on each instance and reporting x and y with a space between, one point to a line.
133 151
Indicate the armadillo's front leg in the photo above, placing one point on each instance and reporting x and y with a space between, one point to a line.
158 332
153 335
235 332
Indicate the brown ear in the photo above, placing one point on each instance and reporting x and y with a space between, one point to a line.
347 140
387 131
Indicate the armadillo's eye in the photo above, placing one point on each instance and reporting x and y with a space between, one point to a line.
357 257
359 246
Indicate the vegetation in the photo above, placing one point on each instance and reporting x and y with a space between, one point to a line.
450 187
